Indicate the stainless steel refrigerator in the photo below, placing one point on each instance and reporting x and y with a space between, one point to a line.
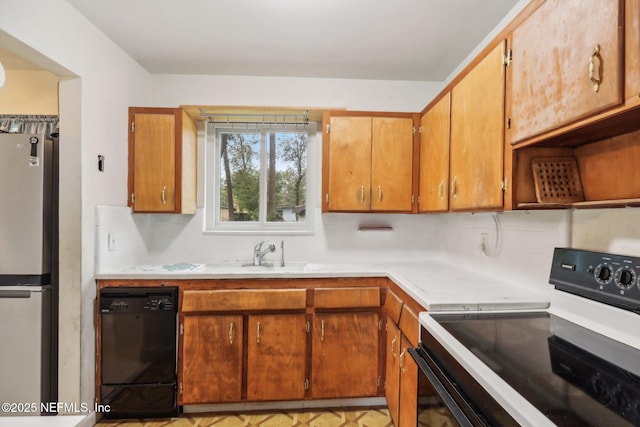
28 194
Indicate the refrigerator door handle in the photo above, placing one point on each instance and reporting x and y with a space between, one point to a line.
34 147
15 294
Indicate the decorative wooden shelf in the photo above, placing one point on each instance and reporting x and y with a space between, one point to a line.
621 203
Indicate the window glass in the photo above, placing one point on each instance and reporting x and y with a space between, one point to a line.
257 179
286 176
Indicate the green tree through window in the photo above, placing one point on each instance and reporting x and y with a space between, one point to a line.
256 163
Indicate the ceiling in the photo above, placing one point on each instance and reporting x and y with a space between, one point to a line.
421 40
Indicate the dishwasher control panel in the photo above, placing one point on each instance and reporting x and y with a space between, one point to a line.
138 300
608 278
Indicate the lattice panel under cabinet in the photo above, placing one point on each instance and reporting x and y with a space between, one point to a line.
557 180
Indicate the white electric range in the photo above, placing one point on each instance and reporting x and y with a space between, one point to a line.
539 367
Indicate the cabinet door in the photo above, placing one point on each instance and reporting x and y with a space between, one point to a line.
154 161
211 359
550 72
344 361
392 382
392 164
349 184
408 387
434 158
276 357
477 136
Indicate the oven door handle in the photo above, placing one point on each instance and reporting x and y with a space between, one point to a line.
439 387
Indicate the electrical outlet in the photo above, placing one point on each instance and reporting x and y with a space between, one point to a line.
111 241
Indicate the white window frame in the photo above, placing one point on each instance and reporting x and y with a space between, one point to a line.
213 224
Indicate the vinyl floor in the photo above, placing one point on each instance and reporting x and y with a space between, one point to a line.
377 417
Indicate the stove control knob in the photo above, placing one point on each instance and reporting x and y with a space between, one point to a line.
603 274
625 277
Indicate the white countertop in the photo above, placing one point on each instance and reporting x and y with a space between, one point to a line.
435 284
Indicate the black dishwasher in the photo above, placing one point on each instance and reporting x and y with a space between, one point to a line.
138 352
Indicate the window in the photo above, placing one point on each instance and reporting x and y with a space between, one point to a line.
257 179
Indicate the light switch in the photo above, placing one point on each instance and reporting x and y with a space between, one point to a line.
111 241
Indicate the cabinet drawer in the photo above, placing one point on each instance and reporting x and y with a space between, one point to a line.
393 305
410 325
346 297
243 300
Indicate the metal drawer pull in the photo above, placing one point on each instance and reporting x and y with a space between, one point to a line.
454 187
362 193
592 68
379 194
322 330
164 194
441 190
231 333
258 333
393 345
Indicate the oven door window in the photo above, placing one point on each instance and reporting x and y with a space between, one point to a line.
432 411
438 402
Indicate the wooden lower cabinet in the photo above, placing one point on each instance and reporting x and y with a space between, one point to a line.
211 358
253 345
408 407
392 382
276 350
401 382
344 360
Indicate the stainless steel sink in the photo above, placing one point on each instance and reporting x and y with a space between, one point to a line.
244 267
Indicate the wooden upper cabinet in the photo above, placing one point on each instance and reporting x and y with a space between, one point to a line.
434 157
350 164
162 161
391 164
554 50
477 135
367 162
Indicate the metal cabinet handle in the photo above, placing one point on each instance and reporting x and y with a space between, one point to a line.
595 79
393 345
231 333
441 189
258 332
379 194
362 193
454 187
322 330
402 367
164 194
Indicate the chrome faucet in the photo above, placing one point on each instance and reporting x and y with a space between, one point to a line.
259 253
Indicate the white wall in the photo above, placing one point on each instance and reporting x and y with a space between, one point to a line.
607 230
175 238
525 244
98 83
368 95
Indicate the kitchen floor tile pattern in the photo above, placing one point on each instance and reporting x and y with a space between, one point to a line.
326 418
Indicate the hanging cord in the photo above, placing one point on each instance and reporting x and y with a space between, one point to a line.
498 241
